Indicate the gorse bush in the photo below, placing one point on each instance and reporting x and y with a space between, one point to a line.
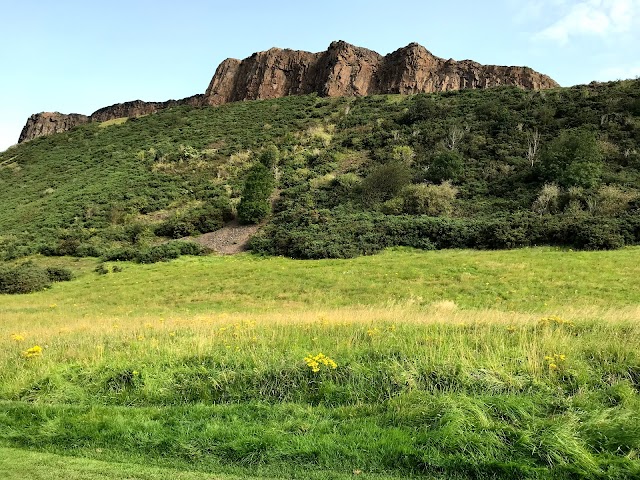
157 253
254 205
29 277
59 274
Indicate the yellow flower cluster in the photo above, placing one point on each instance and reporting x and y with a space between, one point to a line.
555 321
32 352
555 361
372 332
316 362
16 337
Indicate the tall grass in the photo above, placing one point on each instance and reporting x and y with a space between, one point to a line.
435 390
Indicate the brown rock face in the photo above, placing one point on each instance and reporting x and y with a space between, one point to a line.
346 70
342 70
138 108
48 123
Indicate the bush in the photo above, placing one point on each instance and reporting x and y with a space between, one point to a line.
204 219
337 235
59 274
101 269
254 205
168 251
432 200
573 159
24 278
447 165
385 182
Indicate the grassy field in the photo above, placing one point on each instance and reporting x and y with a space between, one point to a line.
449 364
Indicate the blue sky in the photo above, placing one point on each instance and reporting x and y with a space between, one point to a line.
78 56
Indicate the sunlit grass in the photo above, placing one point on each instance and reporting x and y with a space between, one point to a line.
453 364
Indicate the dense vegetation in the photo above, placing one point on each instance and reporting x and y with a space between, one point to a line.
453 364
486 169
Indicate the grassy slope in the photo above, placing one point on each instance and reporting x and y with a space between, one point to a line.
162 365
96 181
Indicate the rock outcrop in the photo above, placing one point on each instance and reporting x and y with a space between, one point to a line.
342 70
48 123
346 70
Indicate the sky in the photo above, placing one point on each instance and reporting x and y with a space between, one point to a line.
75 56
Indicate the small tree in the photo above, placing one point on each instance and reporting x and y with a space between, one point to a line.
433 200
446 165
385 182
573 159
254 205
533 140
548 199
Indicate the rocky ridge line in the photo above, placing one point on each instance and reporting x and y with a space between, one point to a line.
341 70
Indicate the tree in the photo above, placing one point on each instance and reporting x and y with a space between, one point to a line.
447 165
385 182
533 139
254 205
573 159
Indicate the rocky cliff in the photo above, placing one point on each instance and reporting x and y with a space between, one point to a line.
342 70
346 70
48 123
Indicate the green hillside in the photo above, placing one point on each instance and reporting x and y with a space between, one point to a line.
351 175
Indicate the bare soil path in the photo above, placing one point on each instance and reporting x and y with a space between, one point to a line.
229 240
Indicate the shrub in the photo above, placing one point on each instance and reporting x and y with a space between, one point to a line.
24 278
101 269
206 218
548 199
385 182
168 251
611 200
447 165
254 205
59 274
432 200
573 159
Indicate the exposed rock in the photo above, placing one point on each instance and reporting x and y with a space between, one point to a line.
346 70
138 108
48 123
342 70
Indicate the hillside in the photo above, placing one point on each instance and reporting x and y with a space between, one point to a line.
354 175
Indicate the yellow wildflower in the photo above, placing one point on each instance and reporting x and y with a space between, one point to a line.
32 352
316 362
16 337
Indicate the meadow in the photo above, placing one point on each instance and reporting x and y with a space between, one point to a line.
405 364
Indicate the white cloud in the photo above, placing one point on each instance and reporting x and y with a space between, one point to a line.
591 17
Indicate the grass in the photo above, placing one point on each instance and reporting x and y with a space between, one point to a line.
451 364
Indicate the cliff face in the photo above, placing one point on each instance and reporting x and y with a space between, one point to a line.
346 70
342 70
48 123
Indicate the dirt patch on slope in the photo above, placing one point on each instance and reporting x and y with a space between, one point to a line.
229 240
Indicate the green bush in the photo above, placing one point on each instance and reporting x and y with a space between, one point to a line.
254 205
168 251
24 278
573 159
385 182
207 218
432 200
59 274
446 165
335 235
